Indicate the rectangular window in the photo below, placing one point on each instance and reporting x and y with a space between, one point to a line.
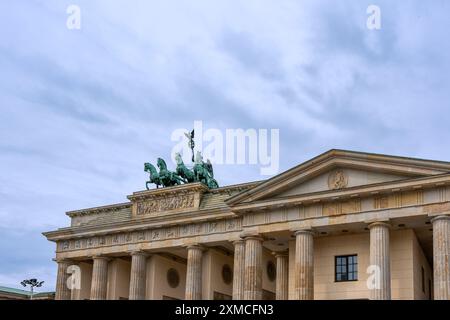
346 268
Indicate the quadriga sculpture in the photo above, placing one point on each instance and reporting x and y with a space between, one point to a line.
201 172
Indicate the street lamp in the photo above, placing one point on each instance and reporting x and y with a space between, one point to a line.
32 283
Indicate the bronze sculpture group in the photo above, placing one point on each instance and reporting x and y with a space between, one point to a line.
201 171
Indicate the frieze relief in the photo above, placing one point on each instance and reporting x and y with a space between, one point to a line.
165 204
160 234
157 202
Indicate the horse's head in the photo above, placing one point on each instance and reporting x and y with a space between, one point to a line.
161 164
148 167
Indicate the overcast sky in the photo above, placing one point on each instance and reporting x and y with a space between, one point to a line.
82 110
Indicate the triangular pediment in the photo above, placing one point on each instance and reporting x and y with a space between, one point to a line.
339 169
338 178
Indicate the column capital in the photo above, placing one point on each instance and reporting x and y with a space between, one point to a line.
298 231
284 253
63 260
239 241
260 239
138 253
100 257
195 246
383 223
440 217
247 235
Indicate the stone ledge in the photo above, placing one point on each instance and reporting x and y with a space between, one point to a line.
97 210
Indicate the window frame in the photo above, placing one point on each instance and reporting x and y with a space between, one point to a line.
347 264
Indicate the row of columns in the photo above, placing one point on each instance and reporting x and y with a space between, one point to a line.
304 264
99 282
247 280
247 285
249 259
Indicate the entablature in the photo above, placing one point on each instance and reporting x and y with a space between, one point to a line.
374 190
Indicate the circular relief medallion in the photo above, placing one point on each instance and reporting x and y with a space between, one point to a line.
227 274
271 271
173 278
337 180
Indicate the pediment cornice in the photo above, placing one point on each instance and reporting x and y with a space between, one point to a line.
343 194
408 167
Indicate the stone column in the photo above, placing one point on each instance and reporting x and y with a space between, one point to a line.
253 268
138 275
62 291
194 273
304 265
239 270
99 278
380 260
282 275
441 257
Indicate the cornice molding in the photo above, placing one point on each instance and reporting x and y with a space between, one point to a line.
168 192
141 224
334 158
98 210
347 193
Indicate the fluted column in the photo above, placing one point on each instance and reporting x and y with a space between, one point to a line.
194 273
99 278
62 290
380 260
138 275
282 275
304 265
253 268
239 270
441 257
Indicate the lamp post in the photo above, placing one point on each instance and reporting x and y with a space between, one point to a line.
32 283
